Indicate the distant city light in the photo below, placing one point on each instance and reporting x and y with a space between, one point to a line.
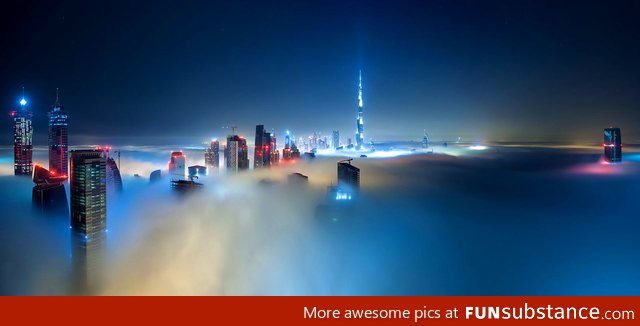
23 102
342 196
478 147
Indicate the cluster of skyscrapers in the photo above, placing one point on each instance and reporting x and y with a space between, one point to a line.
92 174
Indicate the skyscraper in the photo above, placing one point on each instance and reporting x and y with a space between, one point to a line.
88 187
114 179
348 177
287 150
274 157
88 192
262 150
48 195
212 154
336 139
359 119
612 145
22 139
177 164
425 140
236 154
58 142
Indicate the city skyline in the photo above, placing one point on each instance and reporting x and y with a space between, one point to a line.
487 71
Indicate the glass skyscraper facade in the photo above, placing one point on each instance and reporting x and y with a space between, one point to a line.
212 154
58 140
88 187
612 145
236 153
22 140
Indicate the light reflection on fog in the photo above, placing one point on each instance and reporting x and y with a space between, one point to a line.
506 221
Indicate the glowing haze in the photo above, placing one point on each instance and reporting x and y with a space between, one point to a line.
497 221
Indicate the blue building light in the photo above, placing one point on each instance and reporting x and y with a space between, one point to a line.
343 196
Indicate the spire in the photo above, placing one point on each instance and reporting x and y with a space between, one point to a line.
360 90
57 97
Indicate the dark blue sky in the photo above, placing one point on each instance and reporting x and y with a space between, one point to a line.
495 70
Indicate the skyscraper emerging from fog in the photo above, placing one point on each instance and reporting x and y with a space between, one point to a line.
425 140
114 179
88 187
177 164
359 118
212 154
336 139
236 154
612 145
58 141
48 195
262 149
348 177
274 156
22 139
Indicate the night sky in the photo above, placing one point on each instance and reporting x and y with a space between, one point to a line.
483 70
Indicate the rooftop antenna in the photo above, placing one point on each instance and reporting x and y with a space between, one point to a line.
233 130
57 98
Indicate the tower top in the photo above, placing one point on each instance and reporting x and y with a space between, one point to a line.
360 89
23 102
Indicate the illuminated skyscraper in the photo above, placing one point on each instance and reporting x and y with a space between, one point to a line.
287 139
336 139
262 149
197 170
114 179
286 151
22 139
58 141
177 164
612 145
88 188
359 119
425 140
212 154
88 192
348 177
274 156
236 154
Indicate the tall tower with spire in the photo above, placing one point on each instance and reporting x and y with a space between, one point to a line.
58 141
22 139
359 119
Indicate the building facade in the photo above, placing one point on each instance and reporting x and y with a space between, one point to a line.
88 187
58 139
212 154
22 140
612 145
263 148
236 154
177 164
348 177
48 195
